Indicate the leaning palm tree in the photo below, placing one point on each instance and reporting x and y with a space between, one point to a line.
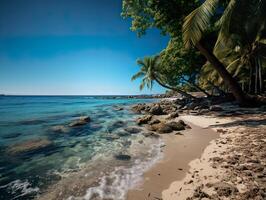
230 24
149 72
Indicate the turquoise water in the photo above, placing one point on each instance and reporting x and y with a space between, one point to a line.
29 174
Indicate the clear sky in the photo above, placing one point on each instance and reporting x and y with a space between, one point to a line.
77 47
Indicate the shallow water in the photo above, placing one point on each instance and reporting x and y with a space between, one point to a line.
86 150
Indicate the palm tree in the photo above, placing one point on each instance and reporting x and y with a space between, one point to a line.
198 22
149 73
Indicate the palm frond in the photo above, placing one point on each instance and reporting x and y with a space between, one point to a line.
224 25
137 75
142 85
197 22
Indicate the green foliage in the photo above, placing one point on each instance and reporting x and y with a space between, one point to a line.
179 65
148 66
166 15
240 42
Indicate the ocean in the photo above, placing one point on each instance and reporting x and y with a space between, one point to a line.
43 157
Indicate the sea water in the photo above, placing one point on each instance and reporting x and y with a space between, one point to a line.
80 157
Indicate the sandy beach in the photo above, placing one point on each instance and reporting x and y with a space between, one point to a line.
197 162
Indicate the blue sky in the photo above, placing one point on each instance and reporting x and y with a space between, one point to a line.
77 47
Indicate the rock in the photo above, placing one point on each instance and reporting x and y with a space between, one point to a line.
156 110
155 121
60 129
81 121
132 130
85 118
176 126
138 108
111 137
116 125
150 134
144 119
117 108
216 108
225 189
173 115
77 123
161 128
182 122
29 146
123 157
123 133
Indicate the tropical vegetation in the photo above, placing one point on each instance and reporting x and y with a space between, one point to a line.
212 44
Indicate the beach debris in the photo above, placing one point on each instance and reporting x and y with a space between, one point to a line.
123 157
29 146
144 120
132 130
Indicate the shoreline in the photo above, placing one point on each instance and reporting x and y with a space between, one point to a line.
206 174
179 151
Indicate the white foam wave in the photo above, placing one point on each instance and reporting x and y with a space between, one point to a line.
116 185
20 187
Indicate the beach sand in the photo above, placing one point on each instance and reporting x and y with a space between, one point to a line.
179 151
219 158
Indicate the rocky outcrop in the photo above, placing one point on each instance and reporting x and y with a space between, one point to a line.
161 128
177 126
154 121
29 146
144 120
150 134
138 108
173 115
81 121
156 110
132 130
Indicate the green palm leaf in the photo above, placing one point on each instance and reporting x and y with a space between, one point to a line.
197 22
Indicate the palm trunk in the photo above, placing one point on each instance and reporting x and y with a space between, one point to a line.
174 89
260 76
256 75
220 91
197 87
227 77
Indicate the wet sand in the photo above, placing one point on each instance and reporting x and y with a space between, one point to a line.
179 151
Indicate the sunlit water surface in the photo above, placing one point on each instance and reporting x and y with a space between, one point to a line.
71 151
